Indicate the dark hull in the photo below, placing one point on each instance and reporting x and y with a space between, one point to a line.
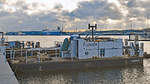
77 65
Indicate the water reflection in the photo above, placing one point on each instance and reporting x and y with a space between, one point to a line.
133 75
127 75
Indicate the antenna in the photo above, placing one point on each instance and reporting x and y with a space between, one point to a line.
93 28
147 20
131 24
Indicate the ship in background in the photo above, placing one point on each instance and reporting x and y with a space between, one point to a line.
58 31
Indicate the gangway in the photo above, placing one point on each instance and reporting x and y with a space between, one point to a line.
7 76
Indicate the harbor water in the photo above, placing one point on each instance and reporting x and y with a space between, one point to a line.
124 75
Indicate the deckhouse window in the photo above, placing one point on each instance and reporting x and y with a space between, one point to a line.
102 52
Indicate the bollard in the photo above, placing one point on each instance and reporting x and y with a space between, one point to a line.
32 52
13 55
26 57
21 51
38 55
56 52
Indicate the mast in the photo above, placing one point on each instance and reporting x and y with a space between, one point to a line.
92 28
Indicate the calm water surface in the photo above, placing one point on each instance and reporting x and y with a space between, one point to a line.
128 75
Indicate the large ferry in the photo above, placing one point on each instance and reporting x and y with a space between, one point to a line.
58 31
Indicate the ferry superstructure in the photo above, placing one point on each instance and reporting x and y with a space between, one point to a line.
90 47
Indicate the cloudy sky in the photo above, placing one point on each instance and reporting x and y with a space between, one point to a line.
18 15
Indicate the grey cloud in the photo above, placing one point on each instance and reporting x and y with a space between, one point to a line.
138 9
93 11
133 6
58 6
20 21
87 11
131 3
2 1
3 14
97 9
23 6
